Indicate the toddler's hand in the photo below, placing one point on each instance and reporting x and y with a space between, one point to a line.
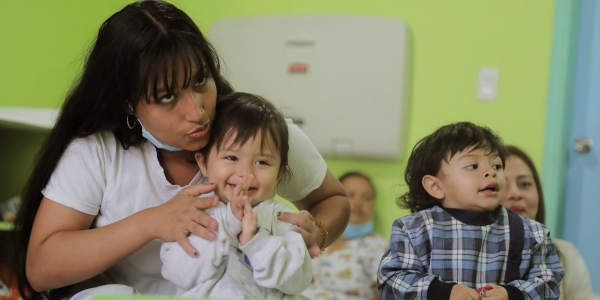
496 293
463 292
240 194
249 223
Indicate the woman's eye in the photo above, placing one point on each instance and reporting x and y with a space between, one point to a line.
525 184
167 99
472 167
200 82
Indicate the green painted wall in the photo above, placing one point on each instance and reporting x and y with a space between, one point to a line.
42 45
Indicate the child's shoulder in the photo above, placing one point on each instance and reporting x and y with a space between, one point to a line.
533 228
416 219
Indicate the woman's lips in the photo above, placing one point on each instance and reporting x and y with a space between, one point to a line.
200 132
517 209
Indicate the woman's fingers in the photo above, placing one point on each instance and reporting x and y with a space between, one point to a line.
184 242
198 189
305 225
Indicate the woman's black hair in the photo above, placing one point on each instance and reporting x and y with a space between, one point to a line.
359 175
141 47
427 156
517 152
245 115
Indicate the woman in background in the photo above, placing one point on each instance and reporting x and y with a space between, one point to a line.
348 268
524 196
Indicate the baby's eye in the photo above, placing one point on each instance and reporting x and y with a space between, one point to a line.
167 98
231 158
472 167
262 162
497 167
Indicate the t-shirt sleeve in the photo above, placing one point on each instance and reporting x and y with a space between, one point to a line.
307 165
78 180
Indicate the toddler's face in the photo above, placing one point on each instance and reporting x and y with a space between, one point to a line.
226 166
472 180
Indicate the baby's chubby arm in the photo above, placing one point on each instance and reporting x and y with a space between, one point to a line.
280 260
187 272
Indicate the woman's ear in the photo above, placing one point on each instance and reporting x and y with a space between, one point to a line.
433 186
200 161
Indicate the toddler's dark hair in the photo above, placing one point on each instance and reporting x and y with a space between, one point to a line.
427 156
246 115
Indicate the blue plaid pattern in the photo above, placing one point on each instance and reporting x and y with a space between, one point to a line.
431 244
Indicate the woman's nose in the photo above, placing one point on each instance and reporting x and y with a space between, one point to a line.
192 105
512 192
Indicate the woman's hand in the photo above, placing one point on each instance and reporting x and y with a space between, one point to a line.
184 215
306 226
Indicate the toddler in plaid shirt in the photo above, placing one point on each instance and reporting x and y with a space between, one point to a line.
459 238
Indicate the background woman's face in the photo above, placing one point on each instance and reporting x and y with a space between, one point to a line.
182 119
361 199
521 191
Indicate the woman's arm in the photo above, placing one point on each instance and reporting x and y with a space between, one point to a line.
327 204
63 250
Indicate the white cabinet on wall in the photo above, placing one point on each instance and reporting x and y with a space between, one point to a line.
341 78
22 132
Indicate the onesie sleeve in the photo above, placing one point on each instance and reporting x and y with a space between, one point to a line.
307 165
279 258
78 181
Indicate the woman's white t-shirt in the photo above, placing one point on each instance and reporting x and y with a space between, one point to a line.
98 177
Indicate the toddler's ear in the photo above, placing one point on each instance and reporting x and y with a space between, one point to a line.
200 161
433 186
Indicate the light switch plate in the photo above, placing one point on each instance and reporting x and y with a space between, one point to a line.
487 84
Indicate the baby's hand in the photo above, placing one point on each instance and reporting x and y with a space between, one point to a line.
463 292
496 293
249 223
240 194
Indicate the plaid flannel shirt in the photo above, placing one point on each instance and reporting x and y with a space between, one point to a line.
433 246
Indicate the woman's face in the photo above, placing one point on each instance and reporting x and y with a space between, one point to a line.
521 191
182 119
361 199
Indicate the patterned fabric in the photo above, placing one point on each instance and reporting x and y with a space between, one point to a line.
349 272
433 244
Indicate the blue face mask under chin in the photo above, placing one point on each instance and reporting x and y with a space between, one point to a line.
356 231
156 142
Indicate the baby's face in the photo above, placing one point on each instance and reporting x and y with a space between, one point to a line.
472 180
226 167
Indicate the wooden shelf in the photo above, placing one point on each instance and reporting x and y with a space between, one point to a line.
28 117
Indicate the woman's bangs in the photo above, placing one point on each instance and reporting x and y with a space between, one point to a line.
161 72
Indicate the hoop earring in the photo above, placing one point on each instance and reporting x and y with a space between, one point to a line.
134 122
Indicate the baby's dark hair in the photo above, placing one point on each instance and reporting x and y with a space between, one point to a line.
427 156
245 115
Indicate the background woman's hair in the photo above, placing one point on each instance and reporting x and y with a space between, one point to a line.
144 45
359 175
515 151
427 156
246 115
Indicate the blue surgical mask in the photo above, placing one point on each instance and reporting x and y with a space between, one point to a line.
156 142
356 231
